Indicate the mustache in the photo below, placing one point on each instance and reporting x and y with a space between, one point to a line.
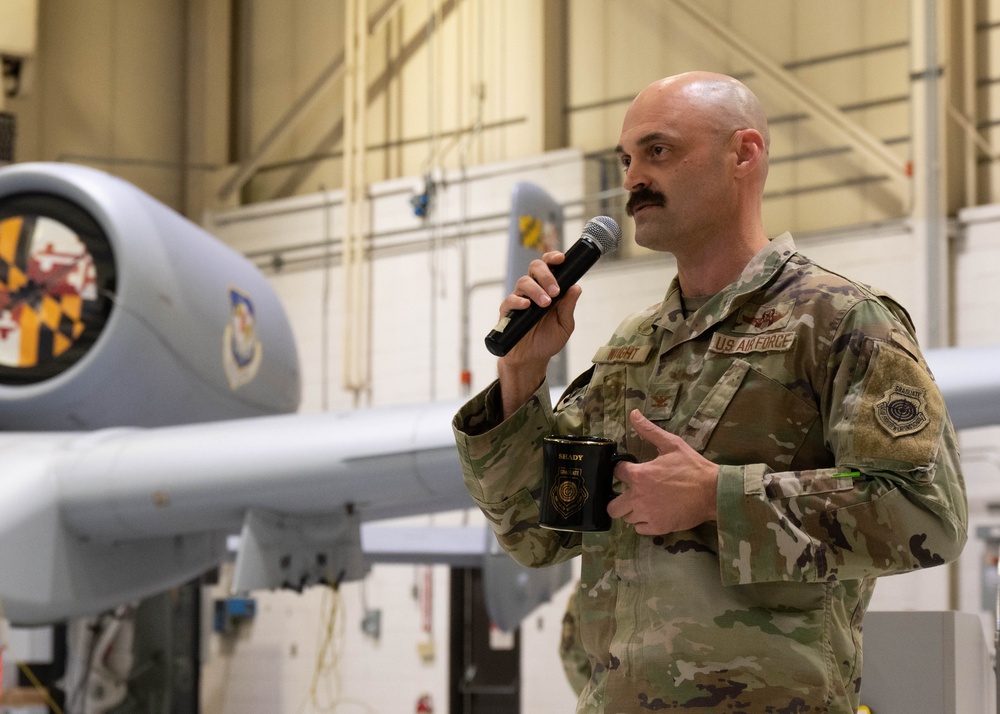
644 196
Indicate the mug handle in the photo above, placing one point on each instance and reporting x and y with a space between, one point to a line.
623 456
616 459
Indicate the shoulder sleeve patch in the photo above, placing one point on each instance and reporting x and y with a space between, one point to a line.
901 412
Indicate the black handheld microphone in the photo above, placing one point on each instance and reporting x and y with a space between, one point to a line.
601 235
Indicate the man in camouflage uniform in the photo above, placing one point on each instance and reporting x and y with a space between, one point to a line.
792 443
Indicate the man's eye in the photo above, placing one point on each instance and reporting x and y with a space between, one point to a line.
657 150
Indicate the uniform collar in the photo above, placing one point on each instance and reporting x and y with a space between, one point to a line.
758 272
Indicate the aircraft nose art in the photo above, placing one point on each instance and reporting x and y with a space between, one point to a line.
57 273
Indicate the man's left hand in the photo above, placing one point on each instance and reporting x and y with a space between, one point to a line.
676 491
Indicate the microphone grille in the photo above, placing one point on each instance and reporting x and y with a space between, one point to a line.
605 232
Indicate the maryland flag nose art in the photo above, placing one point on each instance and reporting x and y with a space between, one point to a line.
46 274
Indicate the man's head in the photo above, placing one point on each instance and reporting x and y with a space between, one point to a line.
694 149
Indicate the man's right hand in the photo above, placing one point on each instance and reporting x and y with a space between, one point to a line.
522 369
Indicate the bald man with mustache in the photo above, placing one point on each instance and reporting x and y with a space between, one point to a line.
792 444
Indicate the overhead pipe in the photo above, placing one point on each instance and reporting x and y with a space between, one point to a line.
356 268
972 138
929 187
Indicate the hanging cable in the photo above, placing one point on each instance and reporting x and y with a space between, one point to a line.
461 240
49 701
433 40
328 655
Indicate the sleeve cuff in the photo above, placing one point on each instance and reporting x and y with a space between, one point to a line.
488 444
740 489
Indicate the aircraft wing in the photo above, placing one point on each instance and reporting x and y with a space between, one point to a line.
94 519
969 379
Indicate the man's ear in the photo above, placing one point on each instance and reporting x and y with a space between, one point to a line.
750 151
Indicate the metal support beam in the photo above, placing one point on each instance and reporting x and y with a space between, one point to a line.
967 48
356 263
555 74
929 197
820 109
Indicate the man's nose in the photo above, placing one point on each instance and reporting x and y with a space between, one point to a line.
634 178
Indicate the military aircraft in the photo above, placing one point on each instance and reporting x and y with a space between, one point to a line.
148 384
148 389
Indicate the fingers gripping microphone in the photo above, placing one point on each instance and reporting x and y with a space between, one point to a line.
601 235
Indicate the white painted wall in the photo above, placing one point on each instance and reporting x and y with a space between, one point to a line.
306 652
977 277
417 287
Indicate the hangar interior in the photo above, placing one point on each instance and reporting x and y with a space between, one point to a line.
362 154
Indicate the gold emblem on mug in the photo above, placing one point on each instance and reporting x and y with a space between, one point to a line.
577 482
569 493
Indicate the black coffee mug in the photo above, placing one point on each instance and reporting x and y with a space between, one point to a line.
577 483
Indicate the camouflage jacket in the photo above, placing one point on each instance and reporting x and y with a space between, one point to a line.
837 463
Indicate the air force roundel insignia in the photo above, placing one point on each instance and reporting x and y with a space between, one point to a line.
241 347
